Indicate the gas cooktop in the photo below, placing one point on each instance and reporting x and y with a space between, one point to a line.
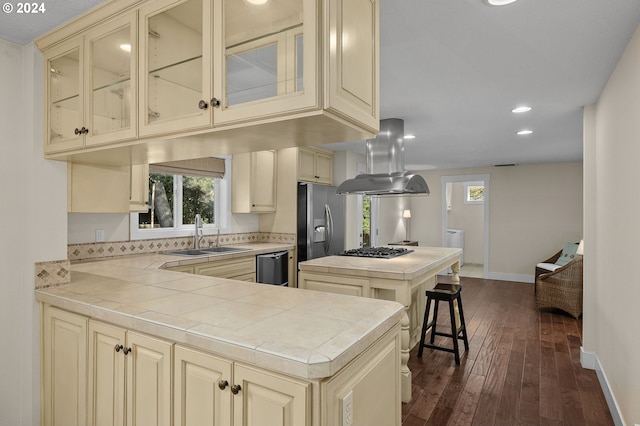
376 252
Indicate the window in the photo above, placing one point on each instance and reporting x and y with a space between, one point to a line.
174 201
474 192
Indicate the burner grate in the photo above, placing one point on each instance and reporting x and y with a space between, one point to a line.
376 252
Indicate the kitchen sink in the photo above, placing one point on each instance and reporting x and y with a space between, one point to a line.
206 251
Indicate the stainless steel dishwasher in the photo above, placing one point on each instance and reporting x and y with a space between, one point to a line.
273 268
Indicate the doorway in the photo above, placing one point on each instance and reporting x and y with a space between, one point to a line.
472 193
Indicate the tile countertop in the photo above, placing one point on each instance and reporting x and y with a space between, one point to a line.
302 333
405 267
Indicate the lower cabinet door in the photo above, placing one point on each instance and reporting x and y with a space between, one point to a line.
106 374
148 381
201 389
268 399
64 368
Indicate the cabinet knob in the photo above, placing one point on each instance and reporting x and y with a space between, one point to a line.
203 104
222 384
118 348
126 350
77 131
235 389
84 130
215 102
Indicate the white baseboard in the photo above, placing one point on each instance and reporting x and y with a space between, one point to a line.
587 359
590 360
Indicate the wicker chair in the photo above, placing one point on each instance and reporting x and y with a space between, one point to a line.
562 288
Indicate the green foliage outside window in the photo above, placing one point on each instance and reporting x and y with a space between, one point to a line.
476 193
197 197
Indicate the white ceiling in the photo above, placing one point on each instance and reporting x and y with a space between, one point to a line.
454 69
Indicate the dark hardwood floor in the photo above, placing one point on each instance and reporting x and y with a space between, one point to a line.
522 367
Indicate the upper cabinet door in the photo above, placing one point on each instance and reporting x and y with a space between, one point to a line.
175 66
65 103
111 81
267 59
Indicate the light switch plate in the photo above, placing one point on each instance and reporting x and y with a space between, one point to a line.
99 235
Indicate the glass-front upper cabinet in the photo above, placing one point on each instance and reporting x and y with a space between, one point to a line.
175 66
90 88
267 59
65 103
111 81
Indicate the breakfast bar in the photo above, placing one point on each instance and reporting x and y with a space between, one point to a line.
403 279
183 340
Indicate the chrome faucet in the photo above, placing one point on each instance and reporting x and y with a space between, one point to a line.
218 239
198 235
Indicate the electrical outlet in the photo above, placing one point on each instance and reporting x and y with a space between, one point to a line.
99 235
347 409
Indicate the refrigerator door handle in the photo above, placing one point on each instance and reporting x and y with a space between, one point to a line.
329 228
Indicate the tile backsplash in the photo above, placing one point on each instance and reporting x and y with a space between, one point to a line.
52 273
122 248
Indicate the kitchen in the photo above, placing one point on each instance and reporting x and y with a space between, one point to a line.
41 190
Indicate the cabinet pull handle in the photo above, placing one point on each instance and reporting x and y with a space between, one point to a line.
222 384
203 104
84 130
126 350
77 131
118 348
235 389
215 102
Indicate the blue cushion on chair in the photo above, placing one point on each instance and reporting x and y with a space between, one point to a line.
568 254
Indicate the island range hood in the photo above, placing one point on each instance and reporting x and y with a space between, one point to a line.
385 166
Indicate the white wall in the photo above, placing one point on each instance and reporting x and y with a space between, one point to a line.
534 211
33 228
612 296
470 218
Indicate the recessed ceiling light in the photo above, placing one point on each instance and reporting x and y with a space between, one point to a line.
525 132
499 2
126 47
257 2
409 136
521 109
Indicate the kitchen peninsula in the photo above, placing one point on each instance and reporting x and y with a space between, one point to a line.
403 279
212 350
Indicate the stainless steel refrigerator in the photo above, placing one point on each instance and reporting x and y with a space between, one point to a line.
321 221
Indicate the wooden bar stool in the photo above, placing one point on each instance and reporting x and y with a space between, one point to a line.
447 293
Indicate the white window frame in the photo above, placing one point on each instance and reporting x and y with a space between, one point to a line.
221 213
467 188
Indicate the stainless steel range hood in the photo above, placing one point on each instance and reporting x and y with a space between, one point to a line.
385 166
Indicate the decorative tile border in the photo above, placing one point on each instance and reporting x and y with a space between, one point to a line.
52 273
123 248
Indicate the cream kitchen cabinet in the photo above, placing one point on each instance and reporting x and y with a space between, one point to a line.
175 66
97 189
242 269
315 165
129 377
64 368
91 87
237 268
211 391
212 77
253 182
139 188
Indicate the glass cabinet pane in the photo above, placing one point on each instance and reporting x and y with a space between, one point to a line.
111 95
174 62
64 97
263 49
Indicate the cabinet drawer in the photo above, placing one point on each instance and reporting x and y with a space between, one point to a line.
228 269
